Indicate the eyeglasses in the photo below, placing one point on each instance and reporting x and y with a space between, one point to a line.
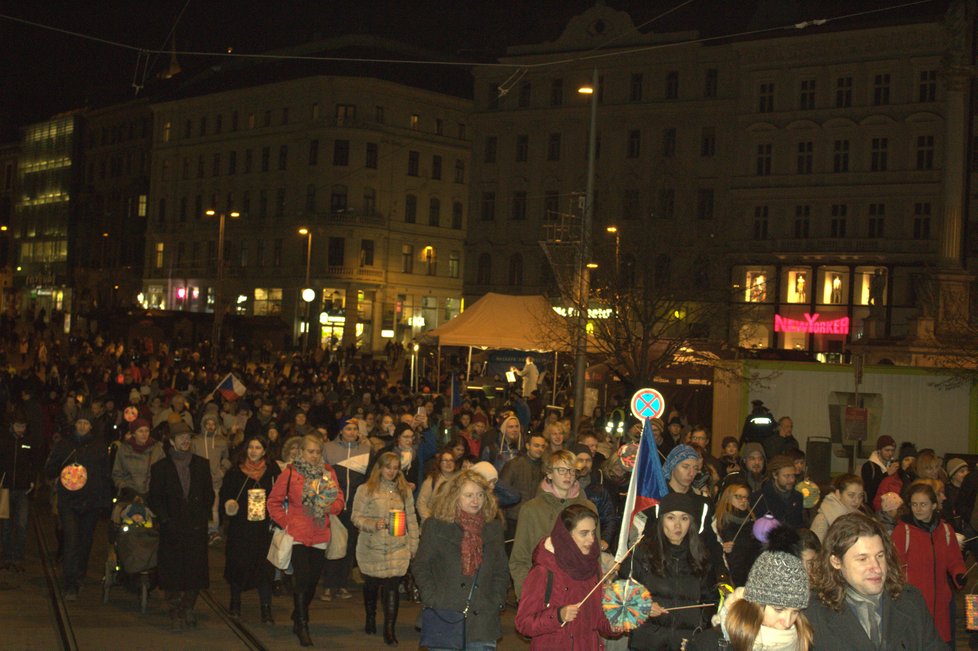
563 471
740 496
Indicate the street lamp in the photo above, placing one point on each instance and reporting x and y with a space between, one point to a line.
308 294
614 231
580 355
219 282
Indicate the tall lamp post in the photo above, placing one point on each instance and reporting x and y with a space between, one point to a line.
308 294
219 282
614 231
580 356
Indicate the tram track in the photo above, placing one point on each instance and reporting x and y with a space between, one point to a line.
65 628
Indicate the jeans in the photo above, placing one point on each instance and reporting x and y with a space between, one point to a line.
13 532
78 530
471 646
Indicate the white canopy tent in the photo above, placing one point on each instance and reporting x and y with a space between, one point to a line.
507 322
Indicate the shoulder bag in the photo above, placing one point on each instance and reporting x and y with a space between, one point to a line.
338 538
280 551
443 628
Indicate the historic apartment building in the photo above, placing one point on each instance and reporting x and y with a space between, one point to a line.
373 172
113 205
826 166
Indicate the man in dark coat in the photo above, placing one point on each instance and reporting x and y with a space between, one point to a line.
778 496
782 440
80 501
608 515
860 600
18 466
181 494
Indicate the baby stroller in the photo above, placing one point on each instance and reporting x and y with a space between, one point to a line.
133 545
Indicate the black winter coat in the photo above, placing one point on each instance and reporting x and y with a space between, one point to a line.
437 569
745 551
182 522
18 461
608 515
787 509
246 563
677 585
91 453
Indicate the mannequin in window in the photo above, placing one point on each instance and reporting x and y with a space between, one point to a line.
877 285
836 289
801 295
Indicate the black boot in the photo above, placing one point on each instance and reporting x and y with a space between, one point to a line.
234 609
189 600
370 607
266 614
173 600
300 617
391 603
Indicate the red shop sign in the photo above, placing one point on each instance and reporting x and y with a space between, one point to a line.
811 325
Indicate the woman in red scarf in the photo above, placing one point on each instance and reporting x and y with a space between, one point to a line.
462 542
566 562
243 495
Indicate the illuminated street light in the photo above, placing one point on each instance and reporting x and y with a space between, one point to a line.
307 233
614 231
219 284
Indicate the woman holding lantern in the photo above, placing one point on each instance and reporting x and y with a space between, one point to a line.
243 499
383 512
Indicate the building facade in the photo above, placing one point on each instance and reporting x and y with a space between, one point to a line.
45 217
373 173
113 204
826 166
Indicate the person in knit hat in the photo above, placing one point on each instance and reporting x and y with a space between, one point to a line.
777 495
133 458
754 462
680 467
765 614
881 463
905 473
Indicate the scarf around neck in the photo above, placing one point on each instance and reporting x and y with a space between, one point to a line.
569 556
868 611
253 469
319 490
471 524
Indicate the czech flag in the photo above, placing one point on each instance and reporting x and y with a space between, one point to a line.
231 387
646 487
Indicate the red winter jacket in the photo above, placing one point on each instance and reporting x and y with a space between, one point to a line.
300 526
891 484
538 620
930 558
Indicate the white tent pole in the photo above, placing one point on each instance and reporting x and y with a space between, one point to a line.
468 367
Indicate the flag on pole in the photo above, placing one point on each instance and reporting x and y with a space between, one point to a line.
456 393
231 387
646 487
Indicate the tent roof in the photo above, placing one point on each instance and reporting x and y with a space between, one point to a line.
503 321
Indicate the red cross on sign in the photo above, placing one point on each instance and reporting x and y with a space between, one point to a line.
648 403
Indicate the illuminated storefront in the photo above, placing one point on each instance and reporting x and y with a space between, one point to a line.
812 308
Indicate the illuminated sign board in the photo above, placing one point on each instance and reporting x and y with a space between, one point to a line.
811 325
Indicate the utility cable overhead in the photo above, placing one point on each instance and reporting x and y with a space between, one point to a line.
471 64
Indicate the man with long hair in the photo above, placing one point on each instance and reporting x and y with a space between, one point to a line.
862 600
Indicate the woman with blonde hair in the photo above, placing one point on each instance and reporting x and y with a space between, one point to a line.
734 524
301 501
383 512
443 471
461 545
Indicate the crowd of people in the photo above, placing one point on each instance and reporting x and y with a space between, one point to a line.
405 494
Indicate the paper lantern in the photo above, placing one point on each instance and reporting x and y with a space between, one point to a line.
74 477
626 604
130 414
809 492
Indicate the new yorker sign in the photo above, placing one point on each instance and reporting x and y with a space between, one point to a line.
811 325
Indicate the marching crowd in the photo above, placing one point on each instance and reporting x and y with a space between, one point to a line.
316 468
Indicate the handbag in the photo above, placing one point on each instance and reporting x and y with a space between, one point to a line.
4 499
444 628
338 538
280 550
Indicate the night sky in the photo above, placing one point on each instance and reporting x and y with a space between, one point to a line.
44 72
